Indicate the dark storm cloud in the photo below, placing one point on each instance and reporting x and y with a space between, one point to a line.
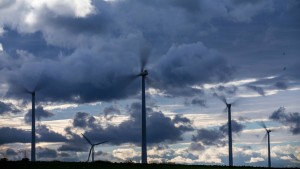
104 82
39 114
235 127
6 108
14 135
126 17
196 147
110 111
12 42
188 68
190 64
44 134
159 129
47 135
199 102
46 153
116 50
195 101
257 89
216 136
292 119
231 90
83 120
209 137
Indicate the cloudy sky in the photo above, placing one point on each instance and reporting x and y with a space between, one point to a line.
82 57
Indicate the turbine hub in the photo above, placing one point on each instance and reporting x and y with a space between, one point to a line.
228 105
144 73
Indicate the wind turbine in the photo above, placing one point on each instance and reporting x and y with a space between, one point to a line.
144 54
268 131
228 107
37 87
33 141
32 125
92 150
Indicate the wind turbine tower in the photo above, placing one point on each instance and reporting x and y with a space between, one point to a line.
33 127
228 107
229 135
269 148
144 73
268 131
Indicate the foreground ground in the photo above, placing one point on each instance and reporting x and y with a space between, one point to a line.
104 165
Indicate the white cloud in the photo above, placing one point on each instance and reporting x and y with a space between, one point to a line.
179 159
255 160
286 158
125 153
55 106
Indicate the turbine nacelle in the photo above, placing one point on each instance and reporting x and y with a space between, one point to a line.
143 73
228 105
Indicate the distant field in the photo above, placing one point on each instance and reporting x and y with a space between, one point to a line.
104 165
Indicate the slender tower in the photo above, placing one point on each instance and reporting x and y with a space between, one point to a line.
229 136
33 128
144 73
269 149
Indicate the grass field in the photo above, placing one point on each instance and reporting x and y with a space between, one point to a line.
104 165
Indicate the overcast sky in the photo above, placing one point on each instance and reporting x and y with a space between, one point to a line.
82 58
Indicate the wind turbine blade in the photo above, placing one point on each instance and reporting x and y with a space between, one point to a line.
262 124
221 97
90 152
87 139
100 143
144 56
225 110
265 137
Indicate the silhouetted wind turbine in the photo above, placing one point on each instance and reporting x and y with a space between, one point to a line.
144 55
33 142
37 87
144 58
268 131
228 107
92 150
33 126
